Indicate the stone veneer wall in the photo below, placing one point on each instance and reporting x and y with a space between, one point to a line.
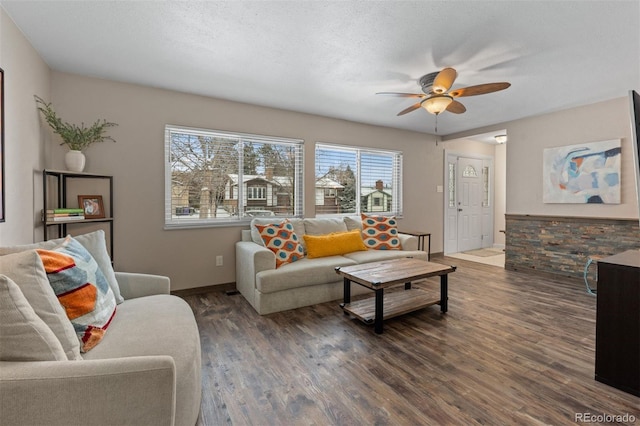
562 245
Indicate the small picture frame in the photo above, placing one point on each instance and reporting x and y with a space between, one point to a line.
92 206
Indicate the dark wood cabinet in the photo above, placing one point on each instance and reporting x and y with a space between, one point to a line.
618 322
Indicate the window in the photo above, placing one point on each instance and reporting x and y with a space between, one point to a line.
485 186
363 180
216 178
469 171
452 185
256 193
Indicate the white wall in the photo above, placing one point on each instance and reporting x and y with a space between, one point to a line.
500 194
25 74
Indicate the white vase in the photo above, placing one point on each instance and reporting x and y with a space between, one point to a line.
74 160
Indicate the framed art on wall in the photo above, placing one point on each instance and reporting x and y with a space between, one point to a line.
2 207
587 173
92 206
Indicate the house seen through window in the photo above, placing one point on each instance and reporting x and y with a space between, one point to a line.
352 180
214 177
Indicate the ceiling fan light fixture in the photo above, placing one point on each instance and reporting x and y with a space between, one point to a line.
439 89
501 139
436 104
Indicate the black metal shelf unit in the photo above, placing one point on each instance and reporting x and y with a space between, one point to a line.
61 179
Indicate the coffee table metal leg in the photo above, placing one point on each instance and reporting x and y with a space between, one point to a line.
347 293
379 311
444 293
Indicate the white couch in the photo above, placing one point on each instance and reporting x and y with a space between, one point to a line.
145 371
306 281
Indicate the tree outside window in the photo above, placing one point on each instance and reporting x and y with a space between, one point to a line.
216 177
364 180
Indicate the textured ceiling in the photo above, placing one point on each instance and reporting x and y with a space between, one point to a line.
330 58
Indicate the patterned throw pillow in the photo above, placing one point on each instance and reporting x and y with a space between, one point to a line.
283 241
82 290
380 232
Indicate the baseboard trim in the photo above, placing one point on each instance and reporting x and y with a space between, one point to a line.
226 287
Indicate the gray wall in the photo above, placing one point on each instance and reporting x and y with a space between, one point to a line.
25 74
136 160
528 137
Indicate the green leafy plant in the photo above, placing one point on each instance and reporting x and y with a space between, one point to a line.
75 137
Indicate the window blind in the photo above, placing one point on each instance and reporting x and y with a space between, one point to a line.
215 177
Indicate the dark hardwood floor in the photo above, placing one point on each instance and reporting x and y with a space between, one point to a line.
514 348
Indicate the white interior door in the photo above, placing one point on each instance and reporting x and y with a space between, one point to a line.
469 190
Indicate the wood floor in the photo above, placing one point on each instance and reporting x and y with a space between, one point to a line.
514 348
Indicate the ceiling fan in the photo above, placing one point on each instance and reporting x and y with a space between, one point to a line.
437 98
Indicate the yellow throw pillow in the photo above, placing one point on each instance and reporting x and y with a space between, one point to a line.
334 244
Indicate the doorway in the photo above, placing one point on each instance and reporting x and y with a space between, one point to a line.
469 213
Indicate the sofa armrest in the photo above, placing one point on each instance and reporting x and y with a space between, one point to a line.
97 392
140 285
408 242
251 258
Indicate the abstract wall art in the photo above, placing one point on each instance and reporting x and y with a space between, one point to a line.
587 173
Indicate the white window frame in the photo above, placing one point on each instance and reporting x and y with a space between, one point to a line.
397 176
261 192
240 219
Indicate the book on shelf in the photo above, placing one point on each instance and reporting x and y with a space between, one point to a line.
69 216
64 218
65 210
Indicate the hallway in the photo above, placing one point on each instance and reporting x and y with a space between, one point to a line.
487 258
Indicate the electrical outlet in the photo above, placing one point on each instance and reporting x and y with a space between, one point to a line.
219 261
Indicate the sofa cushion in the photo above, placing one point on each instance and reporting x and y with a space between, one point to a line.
305 272
283 241
334 244
380 232
23 335
324 226
26 270
94 242
159 325
82 290
353 222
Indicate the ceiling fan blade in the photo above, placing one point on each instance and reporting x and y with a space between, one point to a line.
456 107
444 80
411 108
403 95
480 89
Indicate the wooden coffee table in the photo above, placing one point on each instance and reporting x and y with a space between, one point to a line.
380 275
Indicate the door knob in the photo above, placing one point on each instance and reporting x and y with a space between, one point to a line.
459 210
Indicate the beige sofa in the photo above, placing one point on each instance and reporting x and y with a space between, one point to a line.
306 281
145 371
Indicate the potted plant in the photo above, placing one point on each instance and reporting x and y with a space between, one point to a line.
77 138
